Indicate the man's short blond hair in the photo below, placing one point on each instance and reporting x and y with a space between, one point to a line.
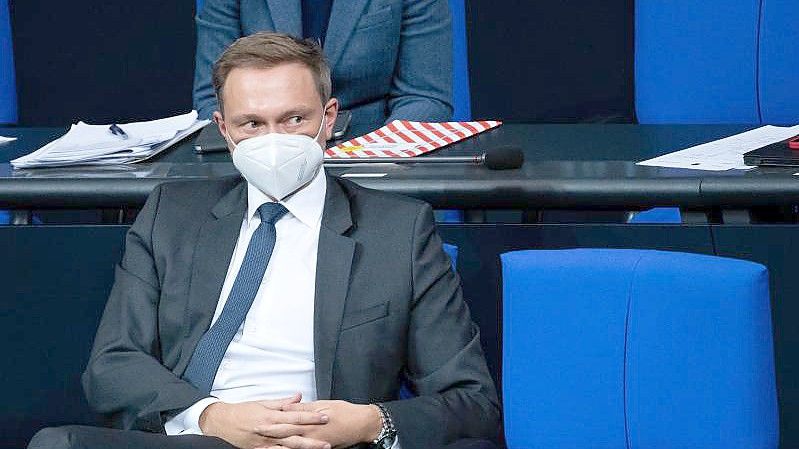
266 50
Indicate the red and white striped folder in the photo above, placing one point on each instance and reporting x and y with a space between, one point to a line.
402 138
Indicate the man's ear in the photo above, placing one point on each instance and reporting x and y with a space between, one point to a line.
331 112
220 123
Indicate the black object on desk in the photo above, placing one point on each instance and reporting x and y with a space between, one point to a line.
209 140
777 154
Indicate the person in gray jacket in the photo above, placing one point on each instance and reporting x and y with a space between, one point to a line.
284 308
390 59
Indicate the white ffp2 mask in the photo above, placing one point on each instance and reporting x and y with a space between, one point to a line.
279 164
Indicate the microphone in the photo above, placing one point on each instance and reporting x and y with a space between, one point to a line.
499 158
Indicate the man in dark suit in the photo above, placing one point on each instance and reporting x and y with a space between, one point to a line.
236 299
391 59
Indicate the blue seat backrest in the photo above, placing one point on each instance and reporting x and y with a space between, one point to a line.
611 348
779 54
696 61
8 86
717 61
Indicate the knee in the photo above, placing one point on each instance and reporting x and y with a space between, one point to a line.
52 438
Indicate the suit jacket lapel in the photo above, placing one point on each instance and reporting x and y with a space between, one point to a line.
343 18
334 261
216 239
287 16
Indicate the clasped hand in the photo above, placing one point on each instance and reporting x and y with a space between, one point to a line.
287 423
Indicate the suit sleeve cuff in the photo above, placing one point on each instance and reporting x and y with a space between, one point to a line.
188 421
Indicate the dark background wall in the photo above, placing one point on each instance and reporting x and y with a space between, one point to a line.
117 60
102 61
552 61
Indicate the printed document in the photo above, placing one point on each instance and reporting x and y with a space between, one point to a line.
112 144
726 153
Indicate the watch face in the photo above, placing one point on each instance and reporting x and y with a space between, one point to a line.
387 441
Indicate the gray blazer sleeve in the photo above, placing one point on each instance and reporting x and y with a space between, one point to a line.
218 25
456 397
421 88
124 378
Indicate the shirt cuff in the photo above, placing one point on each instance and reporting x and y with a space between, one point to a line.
188 421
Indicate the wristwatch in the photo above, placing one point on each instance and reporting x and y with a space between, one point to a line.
388 433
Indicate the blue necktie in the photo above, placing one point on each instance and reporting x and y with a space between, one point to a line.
213 344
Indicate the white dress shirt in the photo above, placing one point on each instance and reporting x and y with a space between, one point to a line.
272 354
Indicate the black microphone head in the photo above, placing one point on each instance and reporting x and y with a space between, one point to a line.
504 158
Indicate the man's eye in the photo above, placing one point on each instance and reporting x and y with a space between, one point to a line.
252 124
296 120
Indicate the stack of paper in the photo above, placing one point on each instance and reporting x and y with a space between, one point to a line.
402 138
112 144
726 153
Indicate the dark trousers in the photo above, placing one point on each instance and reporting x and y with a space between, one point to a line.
87 437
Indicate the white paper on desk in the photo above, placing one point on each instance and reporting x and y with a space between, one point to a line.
4 139
726 153
97 145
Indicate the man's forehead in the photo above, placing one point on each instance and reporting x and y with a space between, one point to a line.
288 81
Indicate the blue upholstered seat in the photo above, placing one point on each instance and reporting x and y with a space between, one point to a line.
608 348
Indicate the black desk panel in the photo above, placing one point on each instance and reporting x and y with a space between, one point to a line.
566 167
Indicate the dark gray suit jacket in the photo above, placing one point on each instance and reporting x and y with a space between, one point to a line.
388 306
390 59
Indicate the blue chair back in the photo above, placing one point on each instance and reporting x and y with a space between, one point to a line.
452 252
779 79
461 97
8 85
608 348
717 61
696 61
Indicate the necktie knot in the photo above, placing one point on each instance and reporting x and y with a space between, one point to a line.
271 212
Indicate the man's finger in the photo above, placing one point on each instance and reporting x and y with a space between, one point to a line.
295 442
301 418
277 431
302 407
276 404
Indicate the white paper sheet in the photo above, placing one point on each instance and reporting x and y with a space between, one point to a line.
99 145
726 153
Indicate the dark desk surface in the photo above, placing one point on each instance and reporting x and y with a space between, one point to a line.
566 166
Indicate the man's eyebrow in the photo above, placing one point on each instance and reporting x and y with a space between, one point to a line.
247 118
300 110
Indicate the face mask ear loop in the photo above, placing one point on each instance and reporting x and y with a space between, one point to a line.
230 140
321 124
